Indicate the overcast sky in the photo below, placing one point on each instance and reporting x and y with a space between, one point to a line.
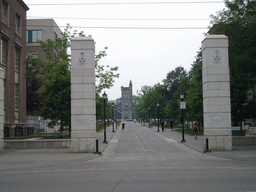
146 39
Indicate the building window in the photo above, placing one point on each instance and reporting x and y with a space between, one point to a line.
4 93
34 56
55 36
34 36
16 96
17 59
18 24
5 12
4 51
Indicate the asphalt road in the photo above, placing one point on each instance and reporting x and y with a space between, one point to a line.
139 159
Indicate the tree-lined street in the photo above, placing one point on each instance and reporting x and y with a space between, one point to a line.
136 159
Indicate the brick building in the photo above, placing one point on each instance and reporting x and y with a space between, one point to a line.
40 30
12 57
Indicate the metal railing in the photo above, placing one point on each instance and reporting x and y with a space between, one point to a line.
19 131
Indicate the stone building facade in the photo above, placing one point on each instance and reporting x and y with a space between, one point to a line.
125 105
12 57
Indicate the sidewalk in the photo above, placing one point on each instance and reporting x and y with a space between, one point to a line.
197 144
244 153
17 159
23 159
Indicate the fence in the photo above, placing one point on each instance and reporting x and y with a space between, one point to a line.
6 132
19 131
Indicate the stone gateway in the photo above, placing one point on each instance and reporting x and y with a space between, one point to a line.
216 92
83 107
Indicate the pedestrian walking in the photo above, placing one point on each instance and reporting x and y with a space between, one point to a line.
123 126
162 125
195 129
246 127
165 125
171 124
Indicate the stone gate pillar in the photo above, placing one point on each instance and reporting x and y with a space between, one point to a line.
1 110
216 92
83 107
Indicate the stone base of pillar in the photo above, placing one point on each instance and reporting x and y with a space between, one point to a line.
219 143
82 145
83 141
1 145
1 138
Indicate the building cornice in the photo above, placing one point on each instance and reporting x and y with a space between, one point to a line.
23 4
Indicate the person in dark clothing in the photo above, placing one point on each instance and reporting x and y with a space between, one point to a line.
162 125
123 126
171 124
195 129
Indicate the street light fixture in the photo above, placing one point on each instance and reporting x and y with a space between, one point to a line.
104 96
113 105
157 116
182 107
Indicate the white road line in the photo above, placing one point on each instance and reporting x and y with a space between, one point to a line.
169 140
113 141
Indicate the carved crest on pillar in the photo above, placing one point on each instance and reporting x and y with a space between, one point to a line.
82 60
217 58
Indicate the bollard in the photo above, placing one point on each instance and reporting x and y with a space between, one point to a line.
97 147
207 146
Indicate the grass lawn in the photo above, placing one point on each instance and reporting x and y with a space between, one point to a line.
45 137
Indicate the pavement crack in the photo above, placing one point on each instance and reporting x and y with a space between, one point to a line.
118 183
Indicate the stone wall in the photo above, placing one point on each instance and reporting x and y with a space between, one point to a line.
37 144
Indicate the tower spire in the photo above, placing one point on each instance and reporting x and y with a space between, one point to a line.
130 85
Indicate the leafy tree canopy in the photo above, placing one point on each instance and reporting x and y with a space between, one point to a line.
238 23
49 81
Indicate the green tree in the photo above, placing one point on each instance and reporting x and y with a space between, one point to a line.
238 23
34 98
176 81
105 75
54 76
148 99
194 94
173 79
99 107
57 97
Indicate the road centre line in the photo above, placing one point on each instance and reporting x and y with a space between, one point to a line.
136 135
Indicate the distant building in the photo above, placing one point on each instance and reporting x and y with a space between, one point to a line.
12 57
125 105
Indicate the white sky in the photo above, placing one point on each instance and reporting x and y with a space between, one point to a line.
144 56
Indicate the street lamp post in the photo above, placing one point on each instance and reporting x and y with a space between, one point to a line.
104 96
113 105
116 117
141 117
158 117
144 112
182 107
149 117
